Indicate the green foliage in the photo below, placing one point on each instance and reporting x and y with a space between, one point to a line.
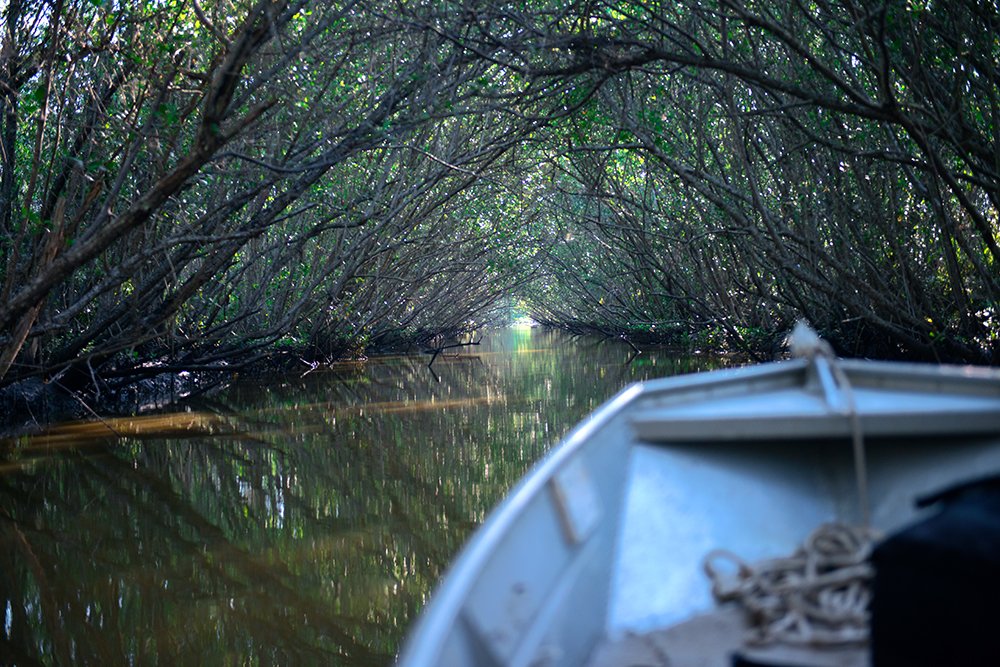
656 171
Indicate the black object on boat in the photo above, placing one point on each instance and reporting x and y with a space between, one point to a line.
936 591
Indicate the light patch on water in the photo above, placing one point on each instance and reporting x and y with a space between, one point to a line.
74 434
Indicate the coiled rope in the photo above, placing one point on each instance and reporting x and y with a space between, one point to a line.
820 594
817 596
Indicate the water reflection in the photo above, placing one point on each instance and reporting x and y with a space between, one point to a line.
294 520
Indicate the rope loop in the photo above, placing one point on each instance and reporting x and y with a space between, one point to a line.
817 596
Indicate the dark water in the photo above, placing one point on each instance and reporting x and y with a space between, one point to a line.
303 520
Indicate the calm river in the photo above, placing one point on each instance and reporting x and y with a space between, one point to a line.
302 520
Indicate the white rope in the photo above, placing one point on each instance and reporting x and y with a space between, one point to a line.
858 445
804 342
817 596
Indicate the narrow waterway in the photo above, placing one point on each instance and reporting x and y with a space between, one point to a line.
299 520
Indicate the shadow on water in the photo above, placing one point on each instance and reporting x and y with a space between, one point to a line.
298 520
